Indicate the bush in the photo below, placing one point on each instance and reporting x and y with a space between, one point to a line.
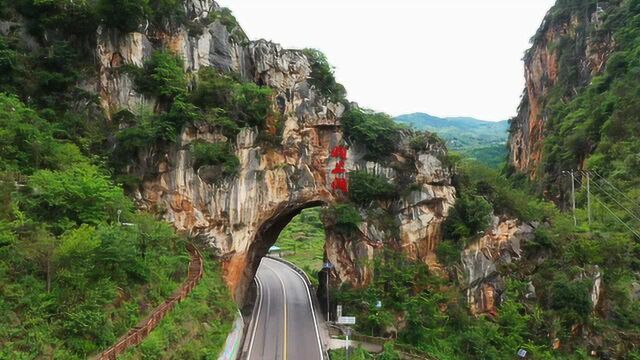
365 188
229 21
73 19
323 77
67 198
376 131
215 154
162 76
167 13
422 141
345 218
246 103
571 296
448 253
470 216
124 15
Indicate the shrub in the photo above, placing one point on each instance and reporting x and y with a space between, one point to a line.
345 218
252 104
571 296
470 216
226 18
215 154
229 99
323 77
162 76
80 194
124 15
365 188
422 141
376 131
448 253
167 13
74 19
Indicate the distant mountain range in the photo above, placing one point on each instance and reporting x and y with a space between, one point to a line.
483 140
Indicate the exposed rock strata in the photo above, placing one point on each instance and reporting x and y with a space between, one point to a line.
501 244
542 73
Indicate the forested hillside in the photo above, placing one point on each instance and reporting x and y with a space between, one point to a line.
484 141
79 265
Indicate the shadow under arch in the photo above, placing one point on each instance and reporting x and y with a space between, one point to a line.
268 234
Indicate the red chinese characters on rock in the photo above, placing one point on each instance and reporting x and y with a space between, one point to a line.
339 172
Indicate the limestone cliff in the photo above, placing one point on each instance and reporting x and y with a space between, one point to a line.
500 245
567 52
241 217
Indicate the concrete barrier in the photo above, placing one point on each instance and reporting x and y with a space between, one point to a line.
233 344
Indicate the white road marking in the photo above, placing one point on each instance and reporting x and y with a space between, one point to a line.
284 294
313 313
257 319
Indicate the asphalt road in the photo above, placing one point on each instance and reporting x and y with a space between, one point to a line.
284 325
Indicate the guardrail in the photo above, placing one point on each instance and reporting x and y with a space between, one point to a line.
136 335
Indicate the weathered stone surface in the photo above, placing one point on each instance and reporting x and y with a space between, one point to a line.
501 244
541 74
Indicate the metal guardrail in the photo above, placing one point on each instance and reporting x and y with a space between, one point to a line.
136 335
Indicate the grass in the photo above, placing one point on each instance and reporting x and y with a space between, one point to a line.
302 242
197 328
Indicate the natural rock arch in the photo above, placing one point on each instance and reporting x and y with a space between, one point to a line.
239 216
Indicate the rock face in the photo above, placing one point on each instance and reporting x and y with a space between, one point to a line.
241 217
501 244
543 71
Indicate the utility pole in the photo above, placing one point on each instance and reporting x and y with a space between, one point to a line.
327 266
589 197
573 195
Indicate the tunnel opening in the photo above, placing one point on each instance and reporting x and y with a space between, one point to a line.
297 235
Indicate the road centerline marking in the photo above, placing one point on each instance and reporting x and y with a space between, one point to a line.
284 298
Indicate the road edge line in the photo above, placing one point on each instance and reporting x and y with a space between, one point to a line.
257 317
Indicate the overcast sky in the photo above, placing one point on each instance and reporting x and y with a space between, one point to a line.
443 57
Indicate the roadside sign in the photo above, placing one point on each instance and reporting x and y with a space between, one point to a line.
339 311
522 353
347 320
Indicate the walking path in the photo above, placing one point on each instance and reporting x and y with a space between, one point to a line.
138 333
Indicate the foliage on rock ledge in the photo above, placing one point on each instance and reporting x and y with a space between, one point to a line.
376 131
323 77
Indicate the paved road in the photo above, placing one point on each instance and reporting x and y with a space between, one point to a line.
284 325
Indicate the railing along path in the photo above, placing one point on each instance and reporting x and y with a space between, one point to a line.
138 333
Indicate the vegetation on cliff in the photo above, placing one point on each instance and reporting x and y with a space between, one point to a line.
323 77
72 277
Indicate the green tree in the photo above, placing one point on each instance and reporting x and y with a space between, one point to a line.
67 198
365 188
323 77
124 15
376 131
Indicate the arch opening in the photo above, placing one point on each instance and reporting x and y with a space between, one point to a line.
301 236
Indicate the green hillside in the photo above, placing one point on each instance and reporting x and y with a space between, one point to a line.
475 139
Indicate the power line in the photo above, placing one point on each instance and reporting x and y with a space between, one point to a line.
618 218
612 213
614 187
617 202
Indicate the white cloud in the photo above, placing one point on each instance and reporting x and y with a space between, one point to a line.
444 57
